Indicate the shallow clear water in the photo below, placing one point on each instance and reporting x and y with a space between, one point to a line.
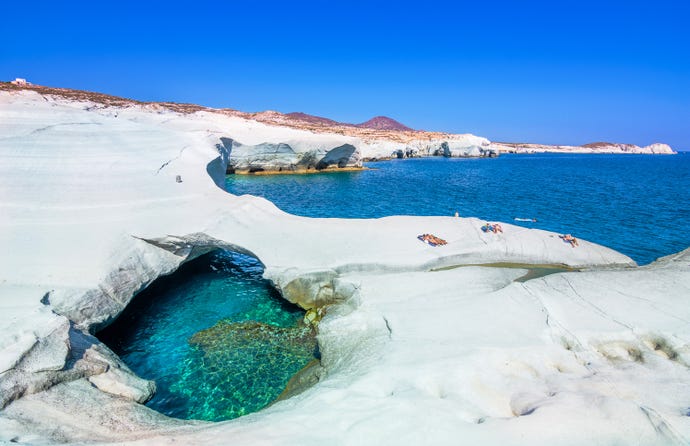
217 339
636 204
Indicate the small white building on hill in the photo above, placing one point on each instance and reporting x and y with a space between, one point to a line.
20 81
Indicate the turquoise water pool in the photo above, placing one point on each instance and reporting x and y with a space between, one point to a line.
636 204
217 339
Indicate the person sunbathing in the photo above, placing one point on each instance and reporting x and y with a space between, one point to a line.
570 239
432 240
492 227
439 241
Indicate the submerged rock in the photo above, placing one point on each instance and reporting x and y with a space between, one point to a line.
226 336
245 365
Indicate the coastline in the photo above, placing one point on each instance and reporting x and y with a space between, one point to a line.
370 144
480 356
297 171
593 148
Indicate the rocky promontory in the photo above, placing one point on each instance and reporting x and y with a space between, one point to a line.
383 138
592 148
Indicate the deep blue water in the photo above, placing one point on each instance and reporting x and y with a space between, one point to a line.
217 339
636 204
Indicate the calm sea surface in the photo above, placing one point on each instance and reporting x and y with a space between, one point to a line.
636 204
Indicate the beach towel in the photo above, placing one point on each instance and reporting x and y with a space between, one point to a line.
431 243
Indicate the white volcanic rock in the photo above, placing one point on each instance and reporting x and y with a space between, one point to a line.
601 147
91 212
460 146
379 144
382 149
305 152
466 145
255 147
252 146
659 148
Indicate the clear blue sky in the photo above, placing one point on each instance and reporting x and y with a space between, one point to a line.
537 71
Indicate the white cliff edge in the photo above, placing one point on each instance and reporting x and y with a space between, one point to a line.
97 201
601 147
452 146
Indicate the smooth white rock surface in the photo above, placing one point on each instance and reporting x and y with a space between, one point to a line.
463 145
91 212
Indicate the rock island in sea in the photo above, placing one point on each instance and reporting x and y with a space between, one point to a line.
100 196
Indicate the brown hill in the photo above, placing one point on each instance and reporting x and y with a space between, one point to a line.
374 129
311 119
383 123
376 123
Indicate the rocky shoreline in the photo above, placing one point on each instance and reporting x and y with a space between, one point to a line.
384 140
407 352
593 148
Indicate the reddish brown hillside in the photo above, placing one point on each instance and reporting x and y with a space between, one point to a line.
311 119
383 123
374 129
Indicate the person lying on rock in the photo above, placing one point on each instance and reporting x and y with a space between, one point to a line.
570 239
432 240
492 227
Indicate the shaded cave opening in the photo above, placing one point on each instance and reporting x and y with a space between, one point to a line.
216 337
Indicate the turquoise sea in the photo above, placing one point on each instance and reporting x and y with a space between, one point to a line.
636 204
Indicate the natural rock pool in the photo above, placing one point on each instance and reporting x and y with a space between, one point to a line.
217 339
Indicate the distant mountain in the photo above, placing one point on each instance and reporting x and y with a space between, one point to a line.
377 123
299 116
383 123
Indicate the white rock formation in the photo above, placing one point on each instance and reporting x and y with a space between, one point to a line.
659 148
603 147
466 145
312 152
255 147
91 212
